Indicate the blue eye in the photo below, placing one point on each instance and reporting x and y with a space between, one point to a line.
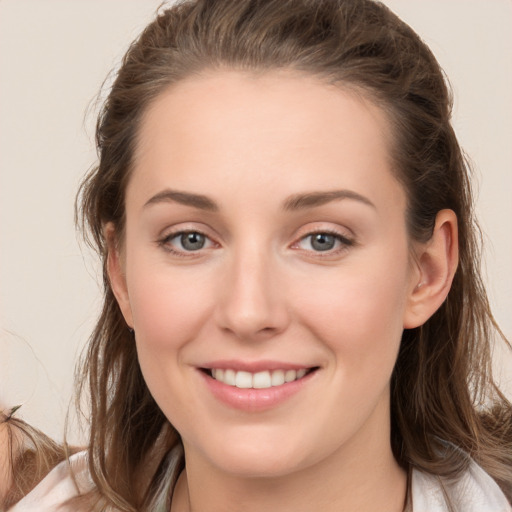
323 242
192 241
187 241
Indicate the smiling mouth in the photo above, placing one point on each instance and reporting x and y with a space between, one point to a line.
258 380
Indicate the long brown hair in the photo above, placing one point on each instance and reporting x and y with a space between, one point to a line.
442 386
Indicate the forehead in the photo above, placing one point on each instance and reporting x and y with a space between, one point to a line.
222 99
280 127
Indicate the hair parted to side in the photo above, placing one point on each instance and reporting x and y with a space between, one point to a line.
442 386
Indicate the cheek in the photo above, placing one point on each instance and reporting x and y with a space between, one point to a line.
358 313
169 307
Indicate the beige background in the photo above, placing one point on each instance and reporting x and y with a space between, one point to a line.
54 55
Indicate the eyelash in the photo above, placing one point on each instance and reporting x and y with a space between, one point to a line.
165 243
344 241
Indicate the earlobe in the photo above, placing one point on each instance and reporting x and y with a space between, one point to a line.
436 262
116 273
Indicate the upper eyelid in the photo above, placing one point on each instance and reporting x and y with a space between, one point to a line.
327 231
346 233
172 231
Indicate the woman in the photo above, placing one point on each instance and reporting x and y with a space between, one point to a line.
293 314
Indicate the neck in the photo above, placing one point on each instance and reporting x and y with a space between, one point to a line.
361 476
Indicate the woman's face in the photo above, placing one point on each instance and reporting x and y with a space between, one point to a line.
266 242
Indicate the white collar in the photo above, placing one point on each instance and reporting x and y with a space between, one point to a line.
474 491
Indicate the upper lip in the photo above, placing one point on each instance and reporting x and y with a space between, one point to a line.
254 366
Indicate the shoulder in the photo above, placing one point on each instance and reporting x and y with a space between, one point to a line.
473 491
64 482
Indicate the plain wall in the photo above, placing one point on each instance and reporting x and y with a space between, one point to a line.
54 55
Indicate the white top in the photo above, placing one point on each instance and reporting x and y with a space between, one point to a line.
57 487
475 491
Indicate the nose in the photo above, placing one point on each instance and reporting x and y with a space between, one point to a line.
253 303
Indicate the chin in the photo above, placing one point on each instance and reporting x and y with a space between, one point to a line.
262 465
262 458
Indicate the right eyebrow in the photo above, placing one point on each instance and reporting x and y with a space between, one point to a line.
186 198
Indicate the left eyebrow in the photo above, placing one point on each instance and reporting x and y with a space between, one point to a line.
313 199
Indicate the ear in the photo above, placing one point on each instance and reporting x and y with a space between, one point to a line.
116 273
436 262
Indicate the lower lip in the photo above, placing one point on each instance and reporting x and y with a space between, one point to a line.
255 400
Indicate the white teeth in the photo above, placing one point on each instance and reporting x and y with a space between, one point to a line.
290 375
243 380
259 380
278 378
229 377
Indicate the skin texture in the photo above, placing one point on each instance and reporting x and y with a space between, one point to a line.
258 289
